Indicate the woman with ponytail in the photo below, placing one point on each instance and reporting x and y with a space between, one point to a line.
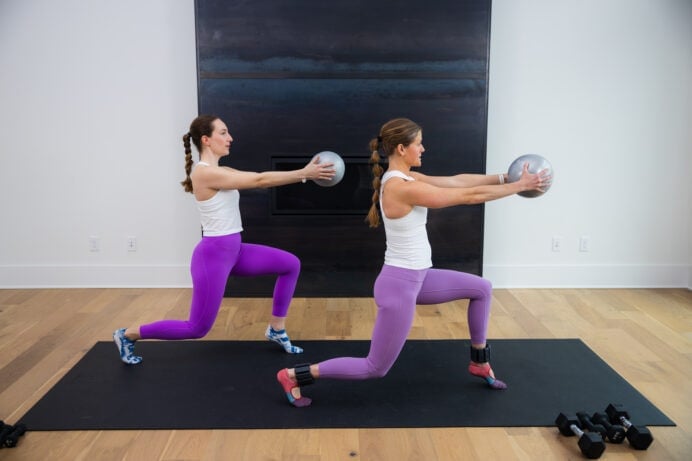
221 251
401 199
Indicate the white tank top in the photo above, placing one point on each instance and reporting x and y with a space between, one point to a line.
220 214
407 237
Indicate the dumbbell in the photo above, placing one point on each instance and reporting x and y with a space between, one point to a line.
639 437
614 432
591 444
13 438
589 425
5 432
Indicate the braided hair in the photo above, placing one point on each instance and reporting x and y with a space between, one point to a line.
200 126
394 132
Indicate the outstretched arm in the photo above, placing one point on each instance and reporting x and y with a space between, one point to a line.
431 195
461 180
229 178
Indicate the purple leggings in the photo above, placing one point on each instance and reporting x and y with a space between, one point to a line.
213 260
397 291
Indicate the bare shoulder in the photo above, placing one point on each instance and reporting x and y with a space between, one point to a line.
209 171
418 176
401 190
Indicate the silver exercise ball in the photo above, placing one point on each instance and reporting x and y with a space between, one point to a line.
536 164
331 157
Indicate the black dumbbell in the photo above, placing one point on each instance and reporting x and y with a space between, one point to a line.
614 432
13 438
591 444
5 431
589 425
639 437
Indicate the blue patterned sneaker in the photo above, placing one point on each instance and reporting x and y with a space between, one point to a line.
281 338
126 347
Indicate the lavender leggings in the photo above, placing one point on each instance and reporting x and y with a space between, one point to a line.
213 260
397 291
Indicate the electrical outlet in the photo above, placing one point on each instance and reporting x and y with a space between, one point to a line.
557 244
94 244
132 243
584 243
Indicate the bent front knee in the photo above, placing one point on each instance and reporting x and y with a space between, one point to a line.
486 287
294 264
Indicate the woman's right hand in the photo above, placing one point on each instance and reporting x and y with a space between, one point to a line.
317 170
534 181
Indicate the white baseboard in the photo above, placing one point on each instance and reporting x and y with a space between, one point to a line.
589 276
95 276
501 276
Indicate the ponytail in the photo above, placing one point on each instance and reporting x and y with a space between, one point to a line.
394 132
187 182
374 215
203 125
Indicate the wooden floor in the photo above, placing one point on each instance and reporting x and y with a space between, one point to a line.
644 334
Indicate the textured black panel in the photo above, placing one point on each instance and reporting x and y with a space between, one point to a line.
291 79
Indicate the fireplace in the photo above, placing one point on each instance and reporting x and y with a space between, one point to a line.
351 196
326 76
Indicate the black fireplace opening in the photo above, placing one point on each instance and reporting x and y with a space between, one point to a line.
351 196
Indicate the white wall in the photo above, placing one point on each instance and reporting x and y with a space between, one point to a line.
94 97
602 89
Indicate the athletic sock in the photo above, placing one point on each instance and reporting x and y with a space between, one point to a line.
126 347
288 384
484 371
281 338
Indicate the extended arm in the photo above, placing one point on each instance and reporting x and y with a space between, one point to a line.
229 178
431 194
461 180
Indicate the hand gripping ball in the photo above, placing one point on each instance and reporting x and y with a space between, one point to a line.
331 157
536 164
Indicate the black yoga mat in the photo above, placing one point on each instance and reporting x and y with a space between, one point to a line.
232 385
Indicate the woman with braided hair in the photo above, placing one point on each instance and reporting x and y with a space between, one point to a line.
221 251
407 278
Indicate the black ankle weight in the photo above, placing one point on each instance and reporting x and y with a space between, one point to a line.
303 375
480 355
